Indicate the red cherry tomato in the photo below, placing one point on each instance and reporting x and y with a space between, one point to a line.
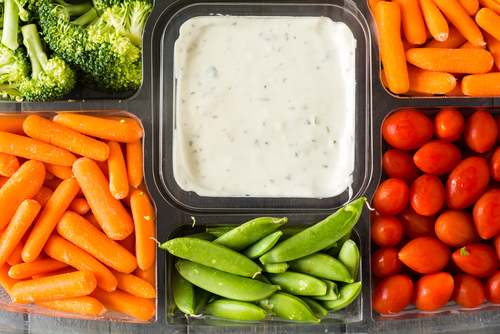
407 130
385 262
466 183
427 195
495 165
449 125
485 155
492 288
437 157
468 292
425 255
456 229
481 131
496 244
433 291
479 260
387 231
391 197
416 225
399 164
393 294
486 214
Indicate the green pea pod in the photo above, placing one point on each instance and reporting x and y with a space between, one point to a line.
349 256
235 310
348 292
332 291
224 284
248 233
318 236
286 306
298 284
201 298
322 266
316 307
263 245
174 309
212 255
334 251
203 236
262 278
183 292
218 231
275 268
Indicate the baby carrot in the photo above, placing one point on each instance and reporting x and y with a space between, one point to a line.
62 172
91 219
454 40
388 17
144 220
84 235
120 301
79 283
110 213
65 270
79 205
481 85
470 6
24 216
24 184
469 45
491 4
149 275
122 130
3 180
49 176
16 255
58 135
494 47
457 15
84 305
9 164
128 243
373 3
103 165
430 82
43 196
451 60
412 21
434 19
134 163
40 267
5 280
134 285
489 21
457 91
118 178
12 124
45 224
53 184
64 251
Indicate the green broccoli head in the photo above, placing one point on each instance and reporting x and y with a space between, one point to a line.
15 68
129 18
122 78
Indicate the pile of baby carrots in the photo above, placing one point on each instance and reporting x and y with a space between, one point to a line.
76 225
439 47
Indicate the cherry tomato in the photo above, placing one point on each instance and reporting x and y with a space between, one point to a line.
407 130
437 157
433 291
391 197
385 262
449 125
387 231
486 214
416 225
495 165
485 155
456 228
479 260
425 255
492 288
496 244
468 292
481 131
393 294
399 164
466 183
427 195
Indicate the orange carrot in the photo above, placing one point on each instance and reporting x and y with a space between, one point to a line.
62 172
79 205
9 164
3 180
451 60
135 163
6 281
120 301
134 285
16 255
24 184
83 234
45 224
434 19
110 213
494 47
470 6
454 40
65 270
412 21
40 267
123 130
48 176
149 275
118 179
53 184
489 21
79 283
469 45
457 15
144 220
457 91
84 305
91 219
103 165
58 135
388 17
491 4
407 45
481 85
43 195
128 243
24 216
64 251
12 124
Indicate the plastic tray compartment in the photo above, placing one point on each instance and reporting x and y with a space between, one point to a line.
31 308
339 11
411 312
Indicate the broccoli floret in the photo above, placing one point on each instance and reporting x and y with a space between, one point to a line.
15 68
12 11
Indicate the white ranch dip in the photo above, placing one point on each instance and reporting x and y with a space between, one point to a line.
264 106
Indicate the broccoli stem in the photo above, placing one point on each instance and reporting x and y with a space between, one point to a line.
10 24
36 52
86 18
75 9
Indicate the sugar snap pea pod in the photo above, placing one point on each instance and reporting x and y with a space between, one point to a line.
332 291
348 292
183 292
201 298
235 310
218 231
248 233
287 306
322 266
203 236
262 278
263 245
298 284
318 236
224 284
275 268
174 308
316 307
334 251
212 255
349 256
